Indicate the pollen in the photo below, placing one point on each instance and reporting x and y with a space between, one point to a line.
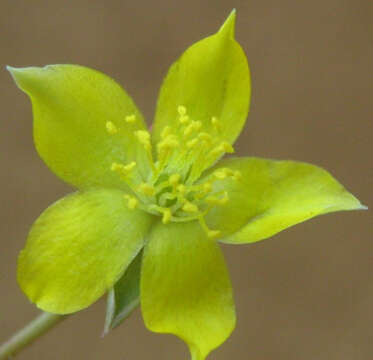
130 118
111 128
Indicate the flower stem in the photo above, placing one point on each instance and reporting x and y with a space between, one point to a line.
28 334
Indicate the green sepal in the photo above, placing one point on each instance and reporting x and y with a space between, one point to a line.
124 297
71 107
210 79
270 196
79 248
185 287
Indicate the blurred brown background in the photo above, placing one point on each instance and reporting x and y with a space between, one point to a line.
305 294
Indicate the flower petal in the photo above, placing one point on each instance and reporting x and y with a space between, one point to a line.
78 248
80 125
185 287
124 297
211 80
271 196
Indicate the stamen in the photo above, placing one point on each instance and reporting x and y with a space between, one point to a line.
189 207
183 119
165 132
111 128
181 110
227 147
181 189
130 118
192 143
124 170
205 136
215 123
210 233
174 179
166 212
144 137
213 200
223 147
170 142
146 189
222 173
194 125
132 202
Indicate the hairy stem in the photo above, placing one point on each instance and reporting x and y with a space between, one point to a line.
28 334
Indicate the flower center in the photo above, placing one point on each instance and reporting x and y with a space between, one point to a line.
171 189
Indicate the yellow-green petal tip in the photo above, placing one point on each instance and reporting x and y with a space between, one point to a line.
228 27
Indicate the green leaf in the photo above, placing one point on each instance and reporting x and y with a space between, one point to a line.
72 106
271 196
211 79
185 287
124 297
78 248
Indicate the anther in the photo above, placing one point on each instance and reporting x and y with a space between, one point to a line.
144 137
207 187
174 179
181 110
194 125
221 173
181 189
223 147
183 119
213 200
123 169
130 118
147 189
192 143
205 136
170 142
111 128
166 215
132 202
227 147
189 207
215 123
